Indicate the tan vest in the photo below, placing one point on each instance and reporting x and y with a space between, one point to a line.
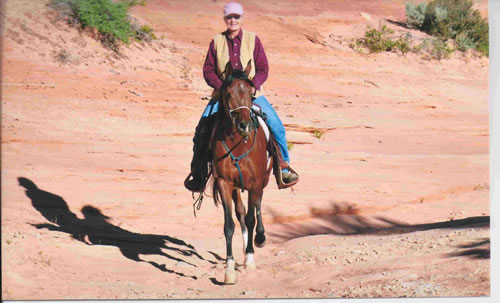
246 54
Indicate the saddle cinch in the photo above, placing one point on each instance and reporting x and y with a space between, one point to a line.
273 149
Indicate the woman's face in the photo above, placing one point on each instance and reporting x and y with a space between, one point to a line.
233 22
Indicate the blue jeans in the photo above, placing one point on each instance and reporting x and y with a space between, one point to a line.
273 122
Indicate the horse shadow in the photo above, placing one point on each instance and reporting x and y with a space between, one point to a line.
344 219
96 229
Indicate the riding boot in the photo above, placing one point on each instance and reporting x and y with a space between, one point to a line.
196 180
284 173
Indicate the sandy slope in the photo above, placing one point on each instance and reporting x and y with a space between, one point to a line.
393 197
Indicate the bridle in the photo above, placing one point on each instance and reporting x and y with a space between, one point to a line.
244 139
238 108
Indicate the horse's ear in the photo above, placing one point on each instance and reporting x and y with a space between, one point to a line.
228 70
248 69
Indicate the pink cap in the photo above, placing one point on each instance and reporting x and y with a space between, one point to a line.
233 8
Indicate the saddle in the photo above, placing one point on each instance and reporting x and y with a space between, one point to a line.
273 149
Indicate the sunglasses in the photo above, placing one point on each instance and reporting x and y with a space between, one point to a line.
236 17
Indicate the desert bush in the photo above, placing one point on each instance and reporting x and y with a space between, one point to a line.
415 15
143 33
403 44
317 133
453 19
109 18
377 41
434 48
464 43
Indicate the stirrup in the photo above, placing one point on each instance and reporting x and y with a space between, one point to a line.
279 176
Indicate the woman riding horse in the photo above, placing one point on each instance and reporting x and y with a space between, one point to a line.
239 162
237 47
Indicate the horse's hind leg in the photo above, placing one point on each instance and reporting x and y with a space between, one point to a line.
240 215
225 193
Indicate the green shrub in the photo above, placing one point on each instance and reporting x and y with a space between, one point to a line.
440 49
377 41
403 43
109 18
415 15
453 19
483 47
143 33
464 42
435 48
446 18
317 133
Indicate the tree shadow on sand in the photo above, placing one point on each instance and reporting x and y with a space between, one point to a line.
95 229
344 219
476 250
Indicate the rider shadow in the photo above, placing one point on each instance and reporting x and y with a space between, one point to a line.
95 229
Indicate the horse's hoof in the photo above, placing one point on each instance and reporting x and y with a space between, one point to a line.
260 240
230 278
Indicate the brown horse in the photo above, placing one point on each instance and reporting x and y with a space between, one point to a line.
239 162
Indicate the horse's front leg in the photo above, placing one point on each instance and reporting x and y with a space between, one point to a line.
260 238
225 193
240 215
253 197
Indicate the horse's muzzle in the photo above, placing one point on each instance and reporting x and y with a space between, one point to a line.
244 128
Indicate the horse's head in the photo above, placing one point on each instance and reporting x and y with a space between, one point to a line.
237 98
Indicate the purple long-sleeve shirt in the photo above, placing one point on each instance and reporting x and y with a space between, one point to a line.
259 56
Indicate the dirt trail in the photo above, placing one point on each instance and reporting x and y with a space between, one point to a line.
393 154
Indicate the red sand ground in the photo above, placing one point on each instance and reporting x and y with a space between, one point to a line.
393 199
